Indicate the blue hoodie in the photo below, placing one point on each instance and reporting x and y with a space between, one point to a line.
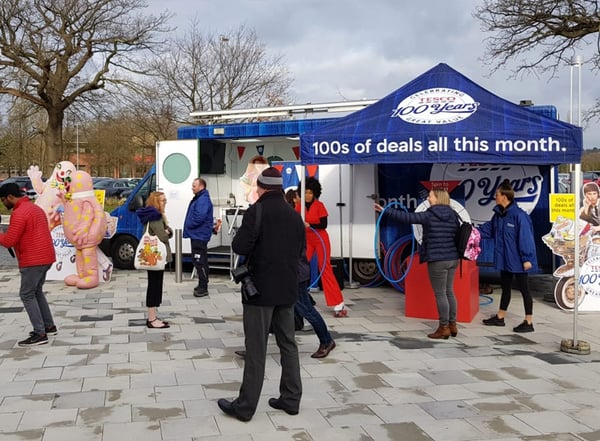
148 214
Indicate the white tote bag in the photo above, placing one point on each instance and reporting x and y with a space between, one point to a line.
150 253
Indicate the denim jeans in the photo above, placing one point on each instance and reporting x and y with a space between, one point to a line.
441 276
33 298
305 308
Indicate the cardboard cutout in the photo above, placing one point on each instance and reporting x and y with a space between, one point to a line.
248 180
561 240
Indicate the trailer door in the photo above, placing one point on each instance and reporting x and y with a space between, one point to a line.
177 165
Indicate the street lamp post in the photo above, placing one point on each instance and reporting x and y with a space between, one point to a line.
576 346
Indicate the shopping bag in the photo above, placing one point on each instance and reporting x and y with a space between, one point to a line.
150 253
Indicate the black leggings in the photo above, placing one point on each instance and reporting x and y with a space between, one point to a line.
155 288
522 281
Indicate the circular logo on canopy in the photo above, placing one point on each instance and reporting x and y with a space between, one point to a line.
436 106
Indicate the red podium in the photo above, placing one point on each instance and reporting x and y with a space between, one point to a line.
420 300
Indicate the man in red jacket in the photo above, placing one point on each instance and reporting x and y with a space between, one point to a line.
30 237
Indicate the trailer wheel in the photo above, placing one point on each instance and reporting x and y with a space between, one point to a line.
123 251
364 271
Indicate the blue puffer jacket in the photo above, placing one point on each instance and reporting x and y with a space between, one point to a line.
512 231
199 219
440 224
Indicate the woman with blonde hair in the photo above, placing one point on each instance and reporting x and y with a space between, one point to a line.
153 217
440 224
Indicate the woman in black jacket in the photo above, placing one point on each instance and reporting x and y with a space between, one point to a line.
440 224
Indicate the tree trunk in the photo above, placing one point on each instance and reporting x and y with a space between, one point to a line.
54 142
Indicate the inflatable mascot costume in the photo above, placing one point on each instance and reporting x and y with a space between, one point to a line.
84 224
48 197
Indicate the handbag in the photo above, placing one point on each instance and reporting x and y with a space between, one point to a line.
150 253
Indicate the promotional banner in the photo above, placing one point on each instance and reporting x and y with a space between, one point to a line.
561 240
405 184
443 117
65 259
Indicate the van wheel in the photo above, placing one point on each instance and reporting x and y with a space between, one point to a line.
364 271
123 251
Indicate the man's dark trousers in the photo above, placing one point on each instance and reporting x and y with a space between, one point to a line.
257 320
200 260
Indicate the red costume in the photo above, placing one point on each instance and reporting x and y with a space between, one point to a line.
317 241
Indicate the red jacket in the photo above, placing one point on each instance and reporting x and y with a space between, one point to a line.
29 235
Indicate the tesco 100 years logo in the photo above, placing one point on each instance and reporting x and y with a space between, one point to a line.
436 106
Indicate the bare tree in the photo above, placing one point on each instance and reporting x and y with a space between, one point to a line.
541 35
110 145
538 34
224 71
56 52
22 141
151 110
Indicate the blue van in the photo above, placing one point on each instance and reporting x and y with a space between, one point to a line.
121 247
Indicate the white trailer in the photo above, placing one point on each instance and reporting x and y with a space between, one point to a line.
351 226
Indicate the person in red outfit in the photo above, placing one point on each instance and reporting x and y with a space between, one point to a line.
317 242
29 235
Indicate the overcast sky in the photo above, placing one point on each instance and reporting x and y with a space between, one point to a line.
340 50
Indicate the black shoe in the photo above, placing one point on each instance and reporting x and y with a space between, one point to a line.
494 321
53 330
200 292
275 403
34 340
240 353
524 327
227 407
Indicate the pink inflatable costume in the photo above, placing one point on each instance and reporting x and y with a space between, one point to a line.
84 224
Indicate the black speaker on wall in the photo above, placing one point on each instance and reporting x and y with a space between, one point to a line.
212 158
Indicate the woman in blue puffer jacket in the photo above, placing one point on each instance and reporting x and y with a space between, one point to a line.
440 224
514 253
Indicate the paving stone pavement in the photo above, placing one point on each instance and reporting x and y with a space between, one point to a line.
107 377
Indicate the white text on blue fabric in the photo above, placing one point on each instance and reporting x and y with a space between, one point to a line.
440 144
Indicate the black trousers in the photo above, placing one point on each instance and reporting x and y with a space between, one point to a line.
257 320
522 281
200 260
154 291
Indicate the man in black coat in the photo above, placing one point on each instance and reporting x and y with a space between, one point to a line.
272 237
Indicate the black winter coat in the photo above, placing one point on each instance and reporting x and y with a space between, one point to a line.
440 224
275 252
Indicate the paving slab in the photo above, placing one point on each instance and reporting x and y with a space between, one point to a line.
106 376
